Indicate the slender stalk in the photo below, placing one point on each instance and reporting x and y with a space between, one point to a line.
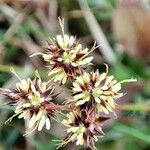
97 33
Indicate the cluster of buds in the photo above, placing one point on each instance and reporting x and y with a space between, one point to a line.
92 93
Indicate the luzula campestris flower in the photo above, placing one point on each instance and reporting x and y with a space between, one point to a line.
66 57
83 128
33 101
97 90
66 63
92 92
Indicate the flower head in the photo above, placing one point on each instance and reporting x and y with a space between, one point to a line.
66 57
83 128
33 101
97 90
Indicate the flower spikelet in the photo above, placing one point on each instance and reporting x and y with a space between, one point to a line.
97 90
33 100
66 57
83 128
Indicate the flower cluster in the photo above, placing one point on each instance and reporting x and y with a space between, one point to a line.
92 93
33 100
66 58
82 128
99 90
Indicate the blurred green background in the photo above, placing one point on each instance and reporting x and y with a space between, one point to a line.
122 29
